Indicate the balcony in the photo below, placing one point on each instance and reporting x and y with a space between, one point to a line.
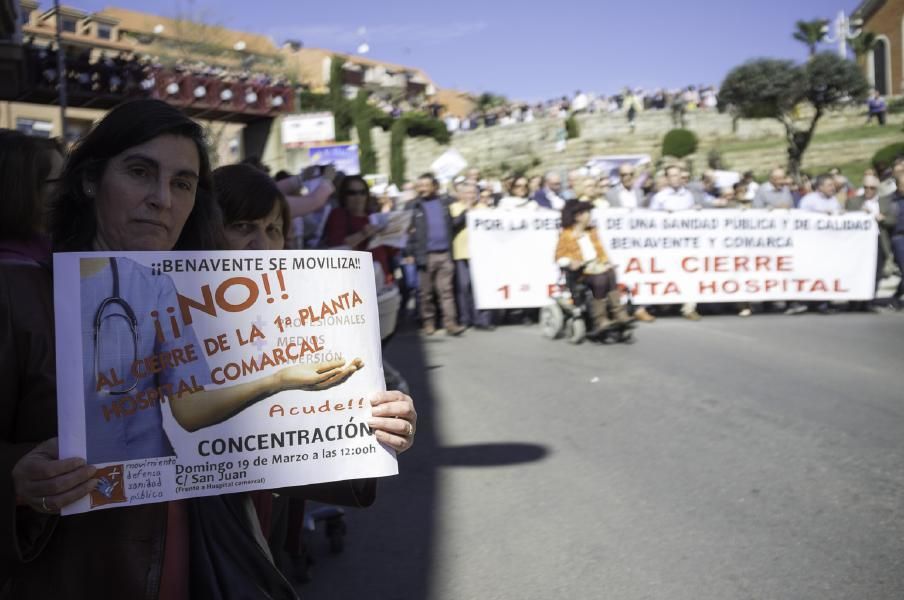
104 83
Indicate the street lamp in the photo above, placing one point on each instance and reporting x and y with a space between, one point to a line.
842 30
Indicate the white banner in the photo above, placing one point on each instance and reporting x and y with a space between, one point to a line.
191 374
692 256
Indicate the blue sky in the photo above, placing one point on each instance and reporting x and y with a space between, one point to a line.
530 50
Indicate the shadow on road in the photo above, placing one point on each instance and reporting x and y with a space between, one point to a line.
390 547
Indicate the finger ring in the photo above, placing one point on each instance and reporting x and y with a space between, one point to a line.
410 429
44 504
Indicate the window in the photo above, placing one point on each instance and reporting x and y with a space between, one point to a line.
104 32
34 127
69 25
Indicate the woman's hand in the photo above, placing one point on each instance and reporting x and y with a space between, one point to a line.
46 483
394 420
317 377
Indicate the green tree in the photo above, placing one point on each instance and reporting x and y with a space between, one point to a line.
810 33
769 88
863 43
397 136
412 124
339 104
679 143
489 100
364 121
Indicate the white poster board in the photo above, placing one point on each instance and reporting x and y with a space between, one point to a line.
188 374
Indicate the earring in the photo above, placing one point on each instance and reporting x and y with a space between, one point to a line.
89 191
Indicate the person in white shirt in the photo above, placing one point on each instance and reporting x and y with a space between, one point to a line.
752 186
580 102
624 194
823 199
520 198
675 196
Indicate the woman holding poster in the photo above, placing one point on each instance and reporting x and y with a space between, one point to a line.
141 180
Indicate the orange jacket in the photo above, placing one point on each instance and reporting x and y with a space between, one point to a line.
568 246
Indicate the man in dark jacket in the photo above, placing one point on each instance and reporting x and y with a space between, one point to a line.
430 247
896 208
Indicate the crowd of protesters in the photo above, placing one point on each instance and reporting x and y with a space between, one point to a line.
629 101
127 73
433 271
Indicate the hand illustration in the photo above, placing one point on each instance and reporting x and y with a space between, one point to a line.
319 376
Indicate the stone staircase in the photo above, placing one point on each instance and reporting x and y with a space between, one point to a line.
757 144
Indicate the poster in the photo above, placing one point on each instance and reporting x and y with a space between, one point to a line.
689 256
449 164
188 374
342 156
392 229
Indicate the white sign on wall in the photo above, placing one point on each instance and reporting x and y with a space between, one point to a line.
309 128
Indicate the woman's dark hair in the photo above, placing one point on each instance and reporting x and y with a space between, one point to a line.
25 164
347 181
571 210
248 194
526 185
73 222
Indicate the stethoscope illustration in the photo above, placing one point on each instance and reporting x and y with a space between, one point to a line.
129 317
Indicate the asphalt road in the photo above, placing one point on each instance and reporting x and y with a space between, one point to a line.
732 458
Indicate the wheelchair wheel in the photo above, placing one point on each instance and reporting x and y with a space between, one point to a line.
552 321
576 330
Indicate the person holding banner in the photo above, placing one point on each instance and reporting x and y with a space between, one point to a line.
897 238
581 254
672 197
468 200
140 180
520 196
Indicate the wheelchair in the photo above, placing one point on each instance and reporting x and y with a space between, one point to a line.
569 317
